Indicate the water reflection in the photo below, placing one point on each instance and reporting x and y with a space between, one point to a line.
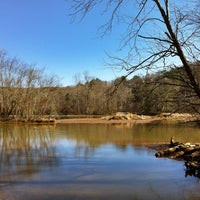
35 146
23 149
88 161
192 172
121 135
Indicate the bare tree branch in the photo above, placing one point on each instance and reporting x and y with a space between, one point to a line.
156 31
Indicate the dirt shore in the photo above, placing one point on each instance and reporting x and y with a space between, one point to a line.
129 118
103 121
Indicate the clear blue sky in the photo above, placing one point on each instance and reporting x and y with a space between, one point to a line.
39 32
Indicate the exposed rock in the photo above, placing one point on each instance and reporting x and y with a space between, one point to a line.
125 116
188 152
169 117
183 117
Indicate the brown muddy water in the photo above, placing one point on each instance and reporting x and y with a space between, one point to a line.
102 161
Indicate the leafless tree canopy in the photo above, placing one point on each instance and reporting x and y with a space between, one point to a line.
161 37
159 33
25 91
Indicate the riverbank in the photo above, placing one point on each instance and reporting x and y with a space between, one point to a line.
104 121
129 118
190 153
118 118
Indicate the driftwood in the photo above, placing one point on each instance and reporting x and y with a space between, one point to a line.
126 116
190 153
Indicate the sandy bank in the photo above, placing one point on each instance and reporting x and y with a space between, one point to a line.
130 118
103 121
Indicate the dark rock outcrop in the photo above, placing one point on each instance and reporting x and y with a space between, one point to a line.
190 153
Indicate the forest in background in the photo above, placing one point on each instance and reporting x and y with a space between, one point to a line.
157 34
151 94
27 92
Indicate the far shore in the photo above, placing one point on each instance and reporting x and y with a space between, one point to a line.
118 118
129 118
103 121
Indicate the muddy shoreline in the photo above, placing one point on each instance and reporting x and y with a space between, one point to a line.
130 118
118 118
103 121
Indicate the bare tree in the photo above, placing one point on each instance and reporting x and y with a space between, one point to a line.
158 34
25 91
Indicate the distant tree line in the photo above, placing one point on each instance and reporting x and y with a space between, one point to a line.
155 32
152 94
27 92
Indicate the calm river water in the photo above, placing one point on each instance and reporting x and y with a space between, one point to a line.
81 161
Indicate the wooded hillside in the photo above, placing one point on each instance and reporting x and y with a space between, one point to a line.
26 92
151 94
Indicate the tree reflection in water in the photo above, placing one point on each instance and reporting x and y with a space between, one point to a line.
63 161
24 149
28 149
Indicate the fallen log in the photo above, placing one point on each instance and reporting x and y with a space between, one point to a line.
190 153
